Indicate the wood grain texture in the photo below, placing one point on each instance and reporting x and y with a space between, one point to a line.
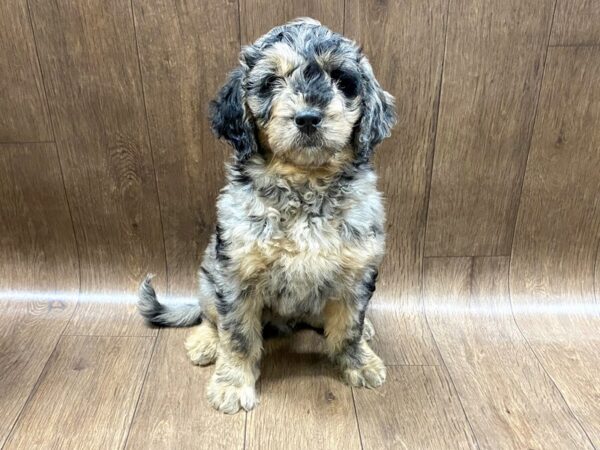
128 85
303 403
405 44
561 193
23 109
259 16
89 59
38 255
31 328
182 70
36 236
492 72
173 412
509 399
576 22
416 409
558 231
86 395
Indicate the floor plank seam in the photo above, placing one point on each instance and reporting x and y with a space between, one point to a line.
75 309
595 274
429 168
430 174
360 439
144 379
514 317
443 364
343 18
424 245
539 361
60 165
245 440
534 120
239 16
244 443
33 390
40 376
151 147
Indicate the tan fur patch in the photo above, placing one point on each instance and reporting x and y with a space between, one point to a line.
251 261
280 165
202 344
338 318
354 259
283 58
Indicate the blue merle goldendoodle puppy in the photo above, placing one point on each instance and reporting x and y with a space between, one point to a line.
300 228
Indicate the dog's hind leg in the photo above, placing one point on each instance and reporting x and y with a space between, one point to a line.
202 345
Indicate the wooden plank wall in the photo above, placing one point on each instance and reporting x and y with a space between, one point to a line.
140 170
494 59
108 170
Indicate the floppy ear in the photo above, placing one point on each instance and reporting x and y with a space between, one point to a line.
378 115
229 118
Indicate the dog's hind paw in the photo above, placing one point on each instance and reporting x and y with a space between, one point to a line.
202 345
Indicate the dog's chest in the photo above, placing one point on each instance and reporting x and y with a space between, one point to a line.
308 256
303 263
299 246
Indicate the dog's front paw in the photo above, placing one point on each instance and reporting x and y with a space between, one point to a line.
371 374
229 398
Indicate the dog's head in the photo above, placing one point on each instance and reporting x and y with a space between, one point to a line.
304 93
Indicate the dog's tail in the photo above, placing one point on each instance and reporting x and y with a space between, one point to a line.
166 315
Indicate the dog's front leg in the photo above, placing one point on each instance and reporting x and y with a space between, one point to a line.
346 345
232 386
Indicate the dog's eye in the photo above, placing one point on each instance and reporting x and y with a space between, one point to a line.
346 82
269 83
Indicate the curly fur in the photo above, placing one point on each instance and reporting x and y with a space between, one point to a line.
300 228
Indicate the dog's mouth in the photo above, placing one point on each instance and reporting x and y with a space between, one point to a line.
310 140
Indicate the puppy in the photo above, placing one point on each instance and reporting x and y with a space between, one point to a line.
300 227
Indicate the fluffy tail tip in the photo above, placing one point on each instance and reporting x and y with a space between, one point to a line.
148 305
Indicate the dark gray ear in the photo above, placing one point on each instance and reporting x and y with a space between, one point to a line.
229 118
378 115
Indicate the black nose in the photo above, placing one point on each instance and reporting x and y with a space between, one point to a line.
308 120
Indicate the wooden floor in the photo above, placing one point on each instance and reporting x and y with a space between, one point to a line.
487 309
493 371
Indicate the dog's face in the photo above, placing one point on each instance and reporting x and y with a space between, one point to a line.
305 99
304 93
